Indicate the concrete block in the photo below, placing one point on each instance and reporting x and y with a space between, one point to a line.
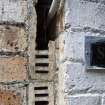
84 100
80 80
12 38
13 69
85 13
13 11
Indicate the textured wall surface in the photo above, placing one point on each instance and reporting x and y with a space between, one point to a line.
13 68
21 82
84 24
17 33
12 38
13 11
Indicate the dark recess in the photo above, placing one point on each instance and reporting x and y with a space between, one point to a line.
98 54
42 9
41 103
40 88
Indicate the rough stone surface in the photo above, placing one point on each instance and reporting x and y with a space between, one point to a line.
17 56
78 44
13 11
12 38
84 13
80 80
13 69
31 22
13 94
9 98
84 100
84 25
17 50
74 45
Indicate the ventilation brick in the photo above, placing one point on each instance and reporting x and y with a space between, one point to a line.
44 63
41 93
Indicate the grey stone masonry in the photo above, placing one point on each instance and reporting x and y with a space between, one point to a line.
84 13
84 100
84 82
13 10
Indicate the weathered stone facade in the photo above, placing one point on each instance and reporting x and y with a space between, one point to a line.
17 20
83 83
27 75
63 74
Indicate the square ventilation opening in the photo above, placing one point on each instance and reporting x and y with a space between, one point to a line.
95 52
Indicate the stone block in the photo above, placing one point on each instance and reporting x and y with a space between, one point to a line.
74 45
12 38
77 46
13 69
80 80
13 11
84 100
84 13
9 98
13 94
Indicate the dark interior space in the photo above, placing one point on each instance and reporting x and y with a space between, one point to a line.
98 54
41 103
42 38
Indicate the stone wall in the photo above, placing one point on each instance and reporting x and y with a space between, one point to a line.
27 75
84 84
17 50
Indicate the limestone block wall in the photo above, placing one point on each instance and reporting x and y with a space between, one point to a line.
17 50
84 84
27 76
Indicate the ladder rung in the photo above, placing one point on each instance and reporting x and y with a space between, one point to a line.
42 52
41 60
41 68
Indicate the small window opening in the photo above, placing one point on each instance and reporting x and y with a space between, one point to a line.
98 54
42 9
95 52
